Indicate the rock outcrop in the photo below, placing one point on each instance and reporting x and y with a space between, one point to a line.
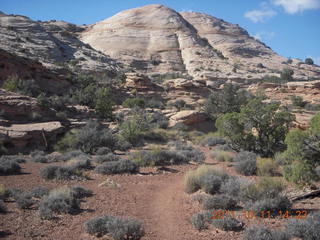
53 43
157 39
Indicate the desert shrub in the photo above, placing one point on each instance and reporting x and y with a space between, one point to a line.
67 156
206 178
269 121
245 156
134 102
263 233
274 205
103 151
179 145
308 61
222 156
298 101
9 167
110 157
157 157
231 187
118 228
80 192
178 104
58 201
308 229
39 192
219 202
224 147
210 183
81 162
228 224
104 103
60 173
3 192
37 153
302 154
16 159
200 220
230 99
247 168
3 208
265 188
24 201
266 167
117 167
312 107
88 139
14 193
154 103
212 141
287 74
24 87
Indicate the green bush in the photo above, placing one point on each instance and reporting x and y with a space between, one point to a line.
260 127
24 87
60 173
287 74
303 150
309 61
110 157
298 101
230 99
118 228
267 167
134 102
104 103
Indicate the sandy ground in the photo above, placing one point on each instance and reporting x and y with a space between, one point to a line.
158 200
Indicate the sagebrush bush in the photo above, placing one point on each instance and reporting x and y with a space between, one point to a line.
266 167
110 157
247 168
3 208
308 229
222 156
24 201
179 145
200 220
134 102
9 167
58 201
228 224
39 192
274 205
231 187
210 183
245 156
117 167
80 192
263 233
118 228
37 153
266 188
212 141
81 162
60 173
219 201
103 151
207 178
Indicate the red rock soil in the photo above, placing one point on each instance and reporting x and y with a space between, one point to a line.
158 200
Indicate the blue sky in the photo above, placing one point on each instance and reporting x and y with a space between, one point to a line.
289 27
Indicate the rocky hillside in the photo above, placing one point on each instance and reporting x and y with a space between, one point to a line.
53 43
157 39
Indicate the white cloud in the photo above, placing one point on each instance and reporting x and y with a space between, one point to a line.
264 35
262 14
295 6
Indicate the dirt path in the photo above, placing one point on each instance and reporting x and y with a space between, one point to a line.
166 210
